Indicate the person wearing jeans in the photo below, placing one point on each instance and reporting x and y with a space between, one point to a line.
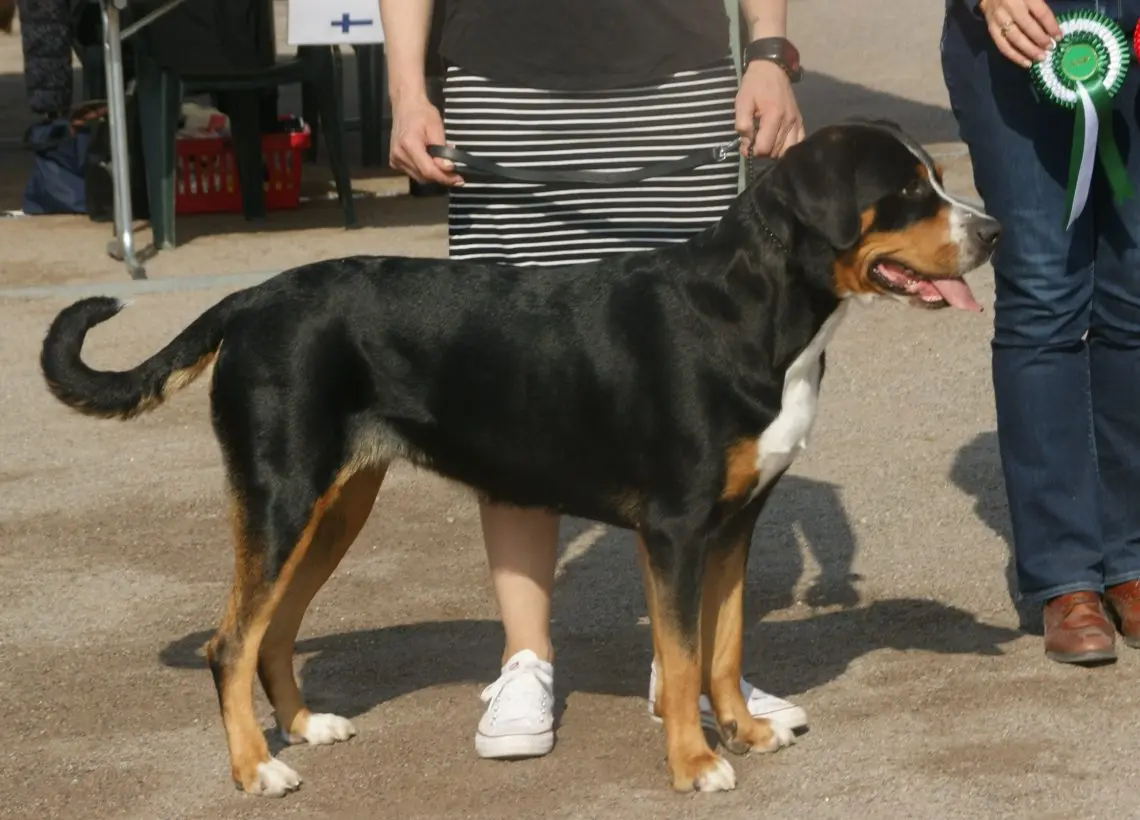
1066 341
589 85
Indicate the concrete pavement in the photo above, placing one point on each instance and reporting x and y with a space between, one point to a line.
877 593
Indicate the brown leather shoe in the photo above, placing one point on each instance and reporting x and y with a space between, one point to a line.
1077 629
1124 601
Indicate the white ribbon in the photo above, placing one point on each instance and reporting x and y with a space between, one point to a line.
1088 156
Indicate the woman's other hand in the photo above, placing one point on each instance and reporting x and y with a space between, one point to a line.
1022 30
417 124
766 95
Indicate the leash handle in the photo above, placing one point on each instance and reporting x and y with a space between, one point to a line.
704 156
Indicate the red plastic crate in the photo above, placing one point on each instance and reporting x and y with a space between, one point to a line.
206 175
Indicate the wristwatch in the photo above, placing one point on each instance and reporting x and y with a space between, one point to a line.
778 50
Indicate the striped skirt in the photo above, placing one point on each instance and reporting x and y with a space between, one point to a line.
612 130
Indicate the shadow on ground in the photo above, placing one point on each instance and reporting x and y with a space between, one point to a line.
977 472
351 673
603 640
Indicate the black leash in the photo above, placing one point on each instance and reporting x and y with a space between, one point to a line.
705 156
694 160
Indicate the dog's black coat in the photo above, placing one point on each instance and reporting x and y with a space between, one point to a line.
610 391
579 388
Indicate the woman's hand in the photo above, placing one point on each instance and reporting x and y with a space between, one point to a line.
416 125
1022 30
766 94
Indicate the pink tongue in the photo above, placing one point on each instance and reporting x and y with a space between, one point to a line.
957 294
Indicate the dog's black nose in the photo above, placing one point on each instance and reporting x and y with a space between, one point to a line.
987 229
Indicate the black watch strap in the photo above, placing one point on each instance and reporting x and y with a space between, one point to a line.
778 50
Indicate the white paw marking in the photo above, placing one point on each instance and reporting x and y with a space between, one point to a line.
720 778
323 729
274 779
781 736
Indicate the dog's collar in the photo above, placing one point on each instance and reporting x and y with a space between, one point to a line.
769 234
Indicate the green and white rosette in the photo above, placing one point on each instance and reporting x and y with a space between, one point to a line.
1083 71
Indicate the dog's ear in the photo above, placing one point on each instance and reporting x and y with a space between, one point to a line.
815 180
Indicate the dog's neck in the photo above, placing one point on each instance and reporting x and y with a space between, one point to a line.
770 266
760 226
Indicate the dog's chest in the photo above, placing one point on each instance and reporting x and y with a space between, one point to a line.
783 439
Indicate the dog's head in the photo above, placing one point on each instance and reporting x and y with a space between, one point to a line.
872 203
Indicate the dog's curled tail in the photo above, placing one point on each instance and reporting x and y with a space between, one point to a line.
127 393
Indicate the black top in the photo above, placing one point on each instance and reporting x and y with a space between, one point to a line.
583 44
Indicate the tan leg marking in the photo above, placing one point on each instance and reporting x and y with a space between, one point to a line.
740 472
235 682
651 608
722 617
248 616
692 764
338 529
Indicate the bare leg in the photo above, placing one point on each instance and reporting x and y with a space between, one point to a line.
522 549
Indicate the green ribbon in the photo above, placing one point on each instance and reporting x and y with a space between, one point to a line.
1110 159
1106 149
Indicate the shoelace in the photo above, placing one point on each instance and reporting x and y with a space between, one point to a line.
493 690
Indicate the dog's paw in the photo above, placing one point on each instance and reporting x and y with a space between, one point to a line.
273 779
708 772
781 736
321 730
720 778
757 735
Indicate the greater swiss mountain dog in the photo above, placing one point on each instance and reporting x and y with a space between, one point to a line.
664 391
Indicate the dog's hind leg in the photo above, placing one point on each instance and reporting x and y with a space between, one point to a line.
673 590
339 526
722 616
285 549
650 605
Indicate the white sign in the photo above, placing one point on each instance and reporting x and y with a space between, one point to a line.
334 22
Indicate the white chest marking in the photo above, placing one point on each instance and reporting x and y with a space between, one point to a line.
783 439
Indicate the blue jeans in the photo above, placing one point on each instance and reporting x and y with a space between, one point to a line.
1066 343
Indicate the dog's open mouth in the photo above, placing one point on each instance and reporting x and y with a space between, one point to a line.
929 292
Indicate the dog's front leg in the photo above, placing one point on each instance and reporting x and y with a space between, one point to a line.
672 587
722 616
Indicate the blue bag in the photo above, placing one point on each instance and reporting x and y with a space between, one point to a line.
56 184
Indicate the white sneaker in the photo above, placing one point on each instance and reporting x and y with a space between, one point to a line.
519 720
760 705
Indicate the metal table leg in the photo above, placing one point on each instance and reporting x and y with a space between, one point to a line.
123 245
370 87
